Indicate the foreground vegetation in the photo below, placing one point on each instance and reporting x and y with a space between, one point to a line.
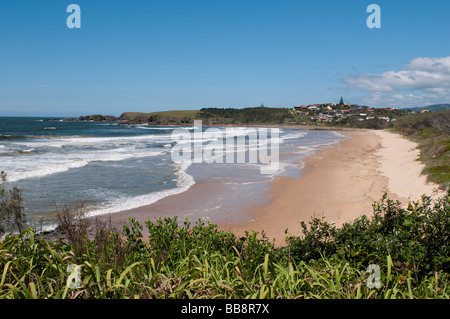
410 246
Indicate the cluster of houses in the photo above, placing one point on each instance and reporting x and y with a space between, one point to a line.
332 112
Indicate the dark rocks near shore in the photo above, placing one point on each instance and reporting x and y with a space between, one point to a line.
87 118
124 120
98 118
66 119
157 120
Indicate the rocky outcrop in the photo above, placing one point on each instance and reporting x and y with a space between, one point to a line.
154 119
98 118
66 119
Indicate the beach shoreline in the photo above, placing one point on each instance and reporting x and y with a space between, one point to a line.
339 183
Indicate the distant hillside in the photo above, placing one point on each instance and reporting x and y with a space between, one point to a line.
160 118
250 115
433 108
210 116
174 114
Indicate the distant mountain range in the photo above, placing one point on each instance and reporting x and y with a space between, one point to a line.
435 107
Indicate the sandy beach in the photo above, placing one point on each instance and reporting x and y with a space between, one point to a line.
339 183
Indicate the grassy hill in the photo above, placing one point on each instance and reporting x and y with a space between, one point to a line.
212 116
168 115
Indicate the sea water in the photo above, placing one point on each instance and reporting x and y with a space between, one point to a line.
113 167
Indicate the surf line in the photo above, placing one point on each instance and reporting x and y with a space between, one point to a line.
227 145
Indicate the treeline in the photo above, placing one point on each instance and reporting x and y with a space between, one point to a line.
374 124
211 116
252 115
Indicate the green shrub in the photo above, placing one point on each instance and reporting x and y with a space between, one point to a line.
12 214
417 238
410 246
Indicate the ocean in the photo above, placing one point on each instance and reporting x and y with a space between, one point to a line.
114 168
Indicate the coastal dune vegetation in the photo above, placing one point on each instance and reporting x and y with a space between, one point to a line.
410 246
431 131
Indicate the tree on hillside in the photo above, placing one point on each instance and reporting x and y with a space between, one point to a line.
341 102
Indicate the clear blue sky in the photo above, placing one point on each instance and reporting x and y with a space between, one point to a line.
153 55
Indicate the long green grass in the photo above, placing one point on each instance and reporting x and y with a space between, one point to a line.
181 260
43 274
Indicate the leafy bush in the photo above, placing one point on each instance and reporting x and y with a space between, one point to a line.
169 242
101 242
417 238
73 225
12 215
410 245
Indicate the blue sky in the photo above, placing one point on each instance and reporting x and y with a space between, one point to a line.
158 55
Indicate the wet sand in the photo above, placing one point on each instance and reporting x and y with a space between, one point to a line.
215 202
339 183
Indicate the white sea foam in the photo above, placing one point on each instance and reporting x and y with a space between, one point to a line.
293 135
340 135
4 149
184 182
166 128
57 154
48 164
94 141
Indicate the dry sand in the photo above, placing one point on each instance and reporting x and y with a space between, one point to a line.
398 158
341 184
